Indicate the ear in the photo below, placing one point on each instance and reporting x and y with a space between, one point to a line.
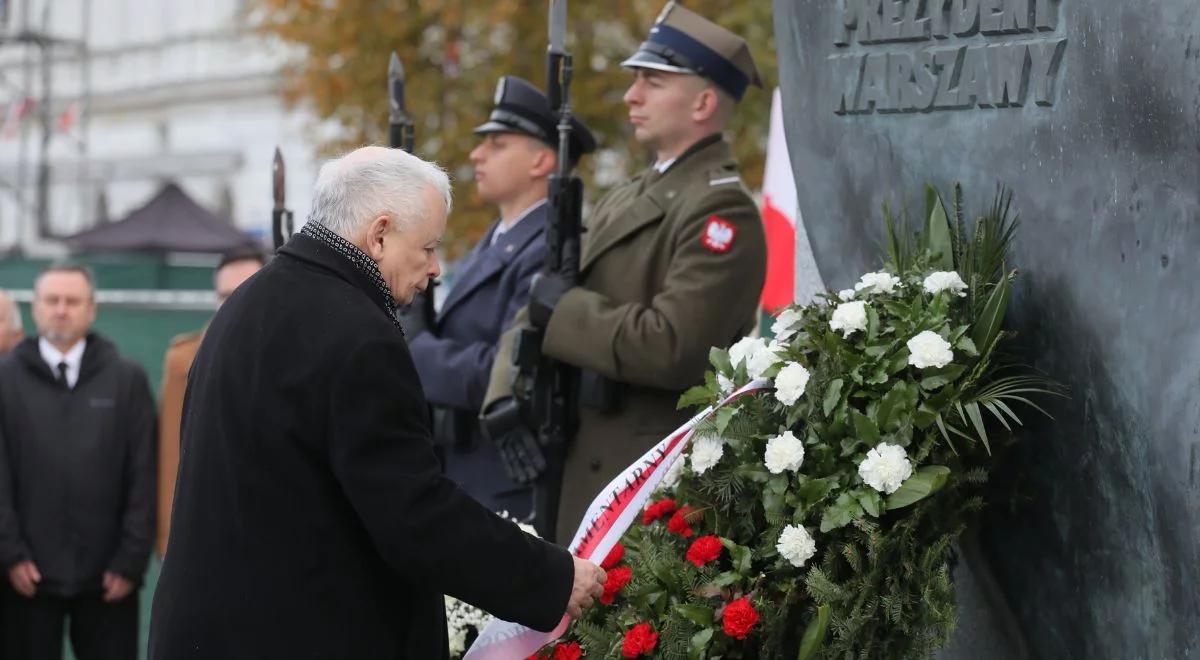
377 231
706 104
544 163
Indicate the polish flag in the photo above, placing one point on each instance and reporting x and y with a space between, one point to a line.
67 120
16 112
780 207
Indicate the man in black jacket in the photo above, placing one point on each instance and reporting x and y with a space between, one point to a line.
311 518
77 429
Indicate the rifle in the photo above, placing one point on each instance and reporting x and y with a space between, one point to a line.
546 390
281 217
400 126
402 136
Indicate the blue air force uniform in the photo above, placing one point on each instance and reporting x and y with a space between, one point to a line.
455 358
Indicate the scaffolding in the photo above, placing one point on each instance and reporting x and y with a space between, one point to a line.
38 50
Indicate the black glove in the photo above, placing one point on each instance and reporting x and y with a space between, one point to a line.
523 459
545 290
413 318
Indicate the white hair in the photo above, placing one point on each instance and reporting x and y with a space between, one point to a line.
373 181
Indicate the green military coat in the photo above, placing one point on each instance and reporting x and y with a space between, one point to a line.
672 265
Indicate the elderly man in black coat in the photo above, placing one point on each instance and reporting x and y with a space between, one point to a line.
311 519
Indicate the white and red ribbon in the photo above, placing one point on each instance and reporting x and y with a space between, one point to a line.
607 519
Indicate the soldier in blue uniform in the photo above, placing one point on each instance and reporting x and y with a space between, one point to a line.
514 159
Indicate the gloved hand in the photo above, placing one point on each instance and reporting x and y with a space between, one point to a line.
523 459
413 318
545 290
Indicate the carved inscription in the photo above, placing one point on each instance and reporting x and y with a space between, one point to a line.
923 55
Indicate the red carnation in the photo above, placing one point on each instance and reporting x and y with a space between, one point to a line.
678 523
615 582
658 510
614 557
739 618
568 651
704 550
640 640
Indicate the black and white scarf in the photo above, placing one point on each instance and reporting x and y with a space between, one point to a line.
360 260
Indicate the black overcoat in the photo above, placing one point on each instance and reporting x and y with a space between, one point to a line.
310 518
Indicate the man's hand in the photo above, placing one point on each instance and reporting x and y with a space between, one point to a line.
545 290
589 585
115 587
24 578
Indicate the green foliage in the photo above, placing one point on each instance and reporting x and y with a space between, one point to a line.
878 585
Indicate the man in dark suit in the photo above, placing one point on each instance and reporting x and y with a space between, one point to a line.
76 480
513 162
311 517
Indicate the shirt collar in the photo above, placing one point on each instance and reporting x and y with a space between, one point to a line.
73 357
665 165
502 229
359 259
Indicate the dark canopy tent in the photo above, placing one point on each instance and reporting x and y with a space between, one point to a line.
170 222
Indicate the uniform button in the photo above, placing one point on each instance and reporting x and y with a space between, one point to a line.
595 465
508 248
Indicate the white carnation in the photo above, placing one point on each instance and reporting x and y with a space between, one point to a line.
784 452
945 281
706 452
671 478
928 349
785 324
725 384
881 282
457 641
525 527
763 358
796 545
885 468
459 617
745 347
790 383
849 317
846 295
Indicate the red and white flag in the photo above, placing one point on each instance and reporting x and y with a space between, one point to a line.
792 274
612 513
67 120
779 215
17 110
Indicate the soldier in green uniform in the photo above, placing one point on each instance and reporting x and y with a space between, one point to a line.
672 261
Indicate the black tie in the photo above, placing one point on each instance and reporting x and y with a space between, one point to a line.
62 375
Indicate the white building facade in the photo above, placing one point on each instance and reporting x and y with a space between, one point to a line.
136 93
